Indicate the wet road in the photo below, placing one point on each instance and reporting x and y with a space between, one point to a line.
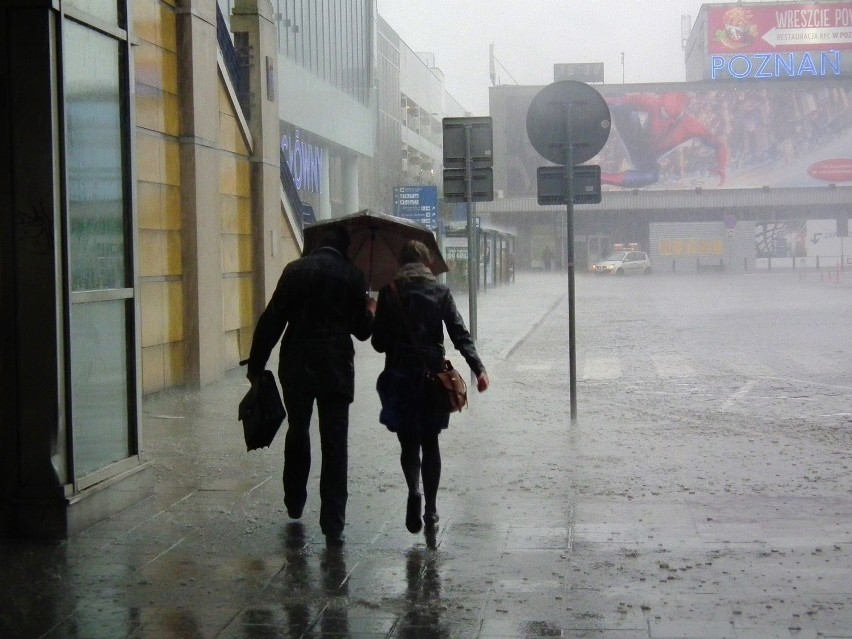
703 491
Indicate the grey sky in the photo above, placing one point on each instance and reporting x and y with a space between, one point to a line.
529 36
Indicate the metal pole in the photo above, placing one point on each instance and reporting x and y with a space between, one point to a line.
572 359
472 253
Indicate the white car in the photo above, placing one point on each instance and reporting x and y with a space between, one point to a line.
623 263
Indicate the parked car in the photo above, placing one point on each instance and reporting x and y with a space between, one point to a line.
623 263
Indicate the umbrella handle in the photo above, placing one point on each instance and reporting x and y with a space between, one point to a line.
370 272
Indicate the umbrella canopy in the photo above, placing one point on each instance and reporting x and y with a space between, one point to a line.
376 243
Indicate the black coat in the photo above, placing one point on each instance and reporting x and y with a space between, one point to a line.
429 306
319 303
424 308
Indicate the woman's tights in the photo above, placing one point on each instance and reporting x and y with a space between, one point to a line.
429 468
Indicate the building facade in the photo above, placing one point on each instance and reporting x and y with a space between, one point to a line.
143 144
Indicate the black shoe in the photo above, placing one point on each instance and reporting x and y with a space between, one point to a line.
295 512
412 514
334 540
430 519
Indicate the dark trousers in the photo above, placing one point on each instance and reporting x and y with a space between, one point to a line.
333 415
429 467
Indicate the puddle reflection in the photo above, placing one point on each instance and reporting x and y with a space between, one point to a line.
423 596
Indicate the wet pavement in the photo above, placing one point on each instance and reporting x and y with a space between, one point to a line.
685 502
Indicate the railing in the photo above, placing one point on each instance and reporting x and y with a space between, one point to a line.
236 61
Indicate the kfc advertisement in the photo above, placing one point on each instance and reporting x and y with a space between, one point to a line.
775 28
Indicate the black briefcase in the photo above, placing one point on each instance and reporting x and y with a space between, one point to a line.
261 411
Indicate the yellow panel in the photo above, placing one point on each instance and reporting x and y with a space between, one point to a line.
246 334
227 174
244 243
151 253
149 64
168 27
147 160
171 114
146 17
232 348
227 132
151 310
173 308
229 213
243 184
170 72
173 261
149 205
230 253
171 163
149 107
244 206
152 369
172 211
224 100
718 247
231 303
174 364
665 247
246 296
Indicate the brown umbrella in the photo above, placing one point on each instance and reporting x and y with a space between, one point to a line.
376 243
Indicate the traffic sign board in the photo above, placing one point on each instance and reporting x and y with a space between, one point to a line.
568 113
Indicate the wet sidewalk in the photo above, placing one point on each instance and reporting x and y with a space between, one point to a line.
519 552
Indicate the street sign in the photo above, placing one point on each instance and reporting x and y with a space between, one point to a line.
481 185
553 186
455 145
417 203
568 112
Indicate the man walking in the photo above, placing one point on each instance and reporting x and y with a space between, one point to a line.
319 303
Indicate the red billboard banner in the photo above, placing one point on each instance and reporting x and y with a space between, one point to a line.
774 28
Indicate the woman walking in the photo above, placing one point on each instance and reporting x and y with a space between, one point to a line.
409 329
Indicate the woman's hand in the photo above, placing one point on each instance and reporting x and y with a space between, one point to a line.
482 382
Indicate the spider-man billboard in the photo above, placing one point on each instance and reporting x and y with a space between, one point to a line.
709 134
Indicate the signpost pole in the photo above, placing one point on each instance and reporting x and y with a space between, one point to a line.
569 205
472 252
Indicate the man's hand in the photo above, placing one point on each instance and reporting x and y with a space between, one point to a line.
482 382
371 305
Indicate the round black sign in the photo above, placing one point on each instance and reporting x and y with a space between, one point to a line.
568 112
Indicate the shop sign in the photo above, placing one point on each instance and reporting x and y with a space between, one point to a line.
305 161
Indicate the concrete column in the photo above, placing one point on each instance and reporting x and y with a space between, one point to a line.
256 19
351 196
324 212
199 165
37 432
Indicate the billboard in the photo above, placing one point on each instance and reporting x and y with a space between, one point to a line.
706 134
775 28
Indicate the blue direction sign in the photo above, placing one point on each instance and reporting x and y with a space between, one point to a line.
417 203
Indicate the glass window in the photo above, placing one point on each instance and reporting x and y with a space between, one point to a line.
106 10
100 335
99 385
94 160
